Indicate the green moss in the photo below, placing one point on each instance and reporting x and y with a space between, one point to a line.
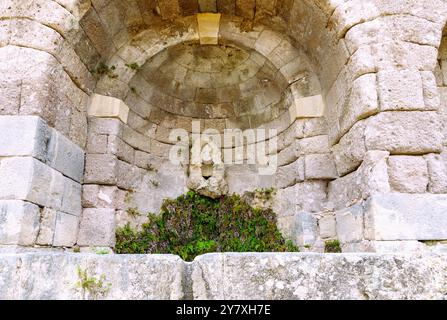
193 225
332 246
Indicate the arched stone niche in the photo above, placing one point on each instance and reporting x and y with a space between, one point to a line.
253 80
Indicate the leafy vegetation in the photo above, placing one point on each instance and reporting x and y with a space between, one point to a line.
92 286
193 225
332 246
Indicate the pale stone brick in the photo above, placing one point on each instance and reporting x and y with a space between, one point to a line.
46 228
308 107
136 139
105 126
327 227
320 166
306 228
437 172
350 151
370 178
65 156
71 201
208 25
406 217
66 230
129 177
412 132
400 90
362 102
97 143
101 169
107 107
313 145
19 222
97 228
95 196
350 224
121 149
408 174
290 174
23 136
28 179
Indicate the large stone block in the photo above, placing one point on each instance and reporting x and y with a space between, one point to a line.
23 136
96 196
320 166
400 90
406 217
350 151
71 199
97 228
308 107
26 178
306 228
19 222
107 107
411 132
327 226
318 276
437 172
291 174
350 224
129 177
66 230
408 174
101 169
46 229
371 177
53 276
65 156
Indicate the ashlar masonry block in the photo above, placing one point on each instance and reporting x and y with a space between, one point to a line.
308 107
406 217
25 178
107 107
209 24
23 136
19 222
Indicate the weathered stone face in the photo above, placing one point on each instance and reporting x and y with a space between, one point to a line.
225 276
352 95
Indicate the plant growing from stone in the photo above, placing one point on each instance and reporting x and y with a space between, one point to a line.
92 287
104 69
332 246
192 225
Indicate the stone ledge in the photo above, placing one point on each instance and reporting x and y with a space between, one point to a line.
228 276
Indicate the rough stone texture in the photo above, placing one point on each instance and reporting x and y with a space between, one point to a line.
19 222
316 276
354 89
97 228
37 276
408 174
34 276
406 217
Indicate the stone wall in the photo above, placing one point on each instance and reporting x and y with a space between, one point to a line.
225 276
355 90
